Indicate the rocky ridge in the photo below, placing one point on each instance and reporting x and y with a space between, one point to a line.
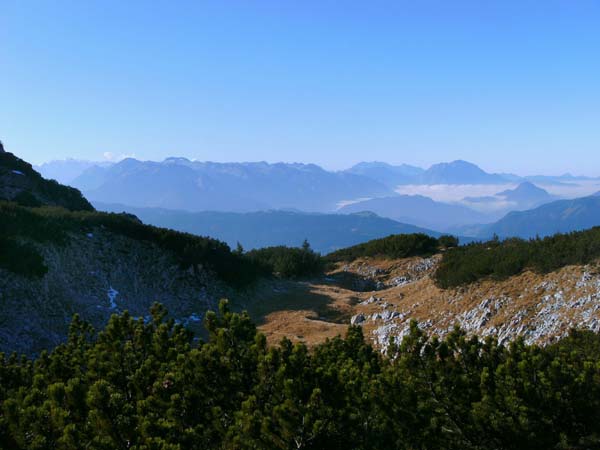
538 308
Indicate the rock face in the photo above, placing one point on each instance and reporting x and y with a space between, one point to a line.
538 308
95 275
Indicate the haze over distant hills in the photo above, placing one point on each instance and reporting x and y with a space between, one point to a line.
178 183
391 175
459 172
556 217
325 232
65 171
418 210
525 196
184 185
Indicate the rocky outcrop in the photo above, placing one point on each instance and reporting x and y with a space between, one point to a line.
538 308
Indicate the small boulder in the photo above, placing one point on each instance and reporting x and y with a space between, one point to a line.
358 319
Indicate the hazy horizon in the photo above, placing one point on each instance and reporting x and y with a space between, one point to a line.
117 159
510 86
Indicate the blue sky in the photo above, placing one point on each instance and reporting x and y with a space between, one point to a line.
512 86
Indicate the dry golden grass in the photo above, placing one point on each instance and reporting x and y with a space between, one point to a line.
312 311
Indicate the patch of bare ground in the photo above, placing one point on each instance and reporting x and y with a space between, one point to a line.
383 296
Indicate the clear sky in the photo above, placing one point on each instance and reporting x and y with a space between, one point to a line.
510 85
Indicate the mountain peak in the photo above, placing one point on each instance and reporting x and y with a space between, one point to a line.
176 159
459 172
2 148
526 188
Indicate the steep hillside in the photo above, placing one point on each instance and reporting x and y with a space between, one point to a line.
325 232
21 184
55 263
59 257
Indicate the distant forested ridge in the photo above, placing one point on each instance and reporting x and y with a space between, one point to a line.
145 385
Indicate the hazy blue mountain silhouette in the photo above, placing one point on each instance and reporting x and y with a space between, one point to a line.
325 232
525 196
419 210
178 183
388 174
66 170
459 172
556 217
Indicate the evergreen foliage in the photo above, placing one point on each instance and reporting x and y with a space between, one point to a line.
287 262
499 260
54 225
395 246
139 385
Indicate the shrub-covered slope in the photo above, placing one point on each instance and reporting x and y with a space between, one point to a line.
501 259
147 386
395 246
19 182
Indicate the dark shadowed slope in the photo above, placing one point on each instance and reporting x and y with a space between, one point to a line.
21 184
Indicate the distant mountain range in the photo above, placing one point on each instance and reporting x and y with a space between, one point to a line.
183 185
178 183
418 210
65 171
388 174
325 232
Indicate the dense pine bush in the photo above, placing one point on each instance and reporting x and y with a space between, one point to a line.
54 225
139 385
395 246
498 259
287 262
